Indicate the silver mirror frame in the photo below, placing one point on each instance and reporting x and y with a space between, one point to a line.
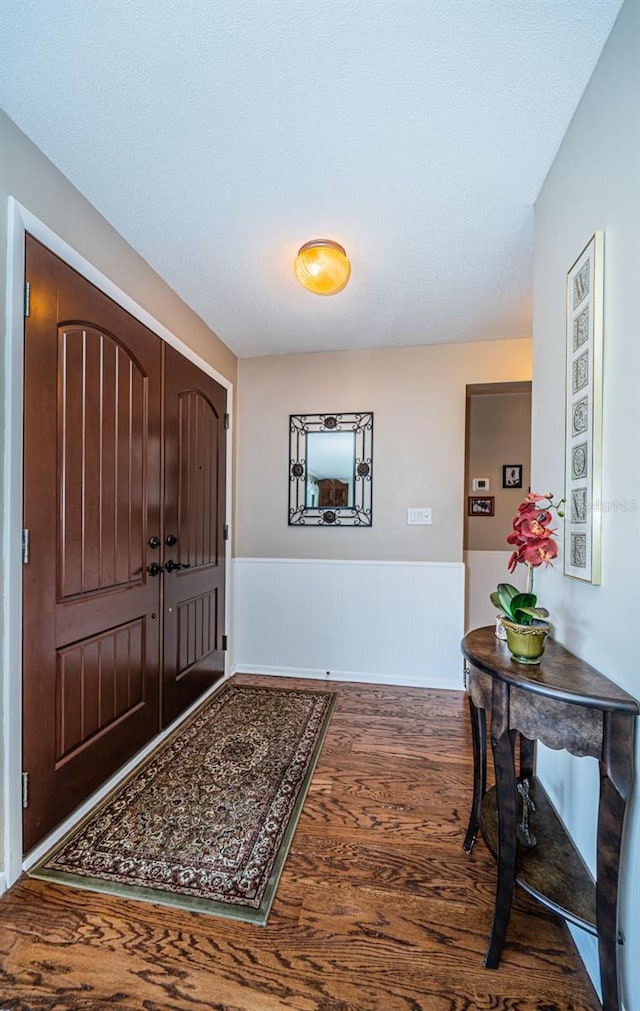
358 515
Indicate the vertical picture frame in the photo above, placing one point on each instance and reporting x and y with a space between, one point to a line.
583 414
512 475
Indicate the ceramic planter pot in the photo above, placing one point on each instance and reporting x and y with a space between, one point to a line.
526 642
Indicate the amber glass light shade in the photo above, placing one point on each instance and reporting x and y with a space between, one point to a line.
322 266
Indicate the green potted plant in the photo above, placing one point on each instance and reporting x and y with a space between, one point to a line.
524 623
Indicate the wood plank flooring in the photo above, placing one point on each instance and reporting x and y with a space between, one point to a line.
378 908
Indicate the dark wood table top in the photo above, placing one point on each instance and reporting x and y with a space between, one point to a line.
559 675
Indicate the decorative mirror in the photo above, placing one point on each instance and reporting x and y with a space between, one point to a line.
330 469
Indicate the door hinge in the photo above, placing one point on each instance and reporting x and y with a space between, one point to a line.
225 642
226 421
27 298
26 546
25 790
225 532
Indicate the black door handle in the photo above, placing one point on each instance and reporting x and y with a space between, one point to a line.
154 569
170 540
154 542
172 566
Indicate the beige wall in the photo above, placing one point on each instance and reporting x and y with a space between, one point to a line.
418 396
594 184
498 433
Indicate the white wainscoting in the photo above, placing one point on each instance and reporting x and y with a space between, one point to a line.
389 622
485 569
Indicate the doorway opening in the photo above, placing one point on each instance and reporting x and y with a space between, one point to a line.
496 479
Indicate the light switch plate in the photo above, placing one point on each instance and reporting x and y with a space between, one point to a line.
419 516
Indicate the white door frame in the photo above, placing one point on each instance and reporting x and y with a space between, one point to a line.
21 220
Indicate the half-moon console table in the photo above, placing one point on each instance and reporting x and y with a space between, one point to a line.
566 704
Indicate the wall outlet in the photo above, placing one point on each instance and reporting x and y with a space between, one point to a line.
420 516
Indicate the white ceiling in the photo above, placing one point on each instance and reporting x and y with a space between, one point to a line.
219 135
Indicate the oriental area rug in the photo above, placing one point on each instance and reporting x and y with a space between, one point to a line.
206 822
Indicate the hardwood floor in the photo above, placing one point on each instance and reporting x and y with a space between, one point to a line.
378 908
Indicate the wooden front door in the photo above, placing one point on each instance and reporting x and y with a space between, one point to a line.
100 579
194 550
91 503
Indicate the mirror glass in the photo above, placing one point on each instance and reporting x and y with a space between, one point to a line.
330 457
330 469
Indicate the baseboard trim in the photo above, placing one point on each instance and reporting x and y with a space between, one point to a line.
361 677
587 946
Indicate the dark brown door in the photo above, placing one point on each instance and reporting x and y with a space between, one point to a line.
194 550
91 503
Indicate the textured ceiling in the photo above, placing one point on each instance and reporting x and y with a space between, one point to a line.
219 135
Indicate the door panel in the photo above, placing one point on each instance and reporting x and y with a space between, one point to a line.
100 681
195 474
101 423
91 639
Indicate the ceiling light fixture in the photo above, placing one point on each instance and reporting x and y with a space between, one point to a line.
322 266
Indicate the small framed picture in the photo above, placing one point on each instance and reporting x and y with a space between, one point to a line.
512 475
480 484
481 505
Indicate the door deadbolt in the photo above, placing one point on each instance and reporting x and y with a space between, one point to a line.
172 566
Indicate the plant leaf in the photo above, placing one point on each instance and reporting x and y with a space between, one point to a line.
495 600
524 600
530 613
506 594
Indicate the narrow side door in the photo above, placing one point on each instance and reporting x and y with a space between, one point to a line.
194 548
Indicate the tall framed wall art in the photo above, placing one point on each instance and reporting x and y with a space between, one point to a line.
583 447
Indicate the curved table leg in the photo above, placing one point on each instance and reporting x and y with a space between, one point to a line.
616 774
506 796
527 757
479 736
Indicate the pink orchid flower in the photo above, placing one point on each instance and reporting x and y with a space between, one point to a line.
536 527
532 536
540 551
